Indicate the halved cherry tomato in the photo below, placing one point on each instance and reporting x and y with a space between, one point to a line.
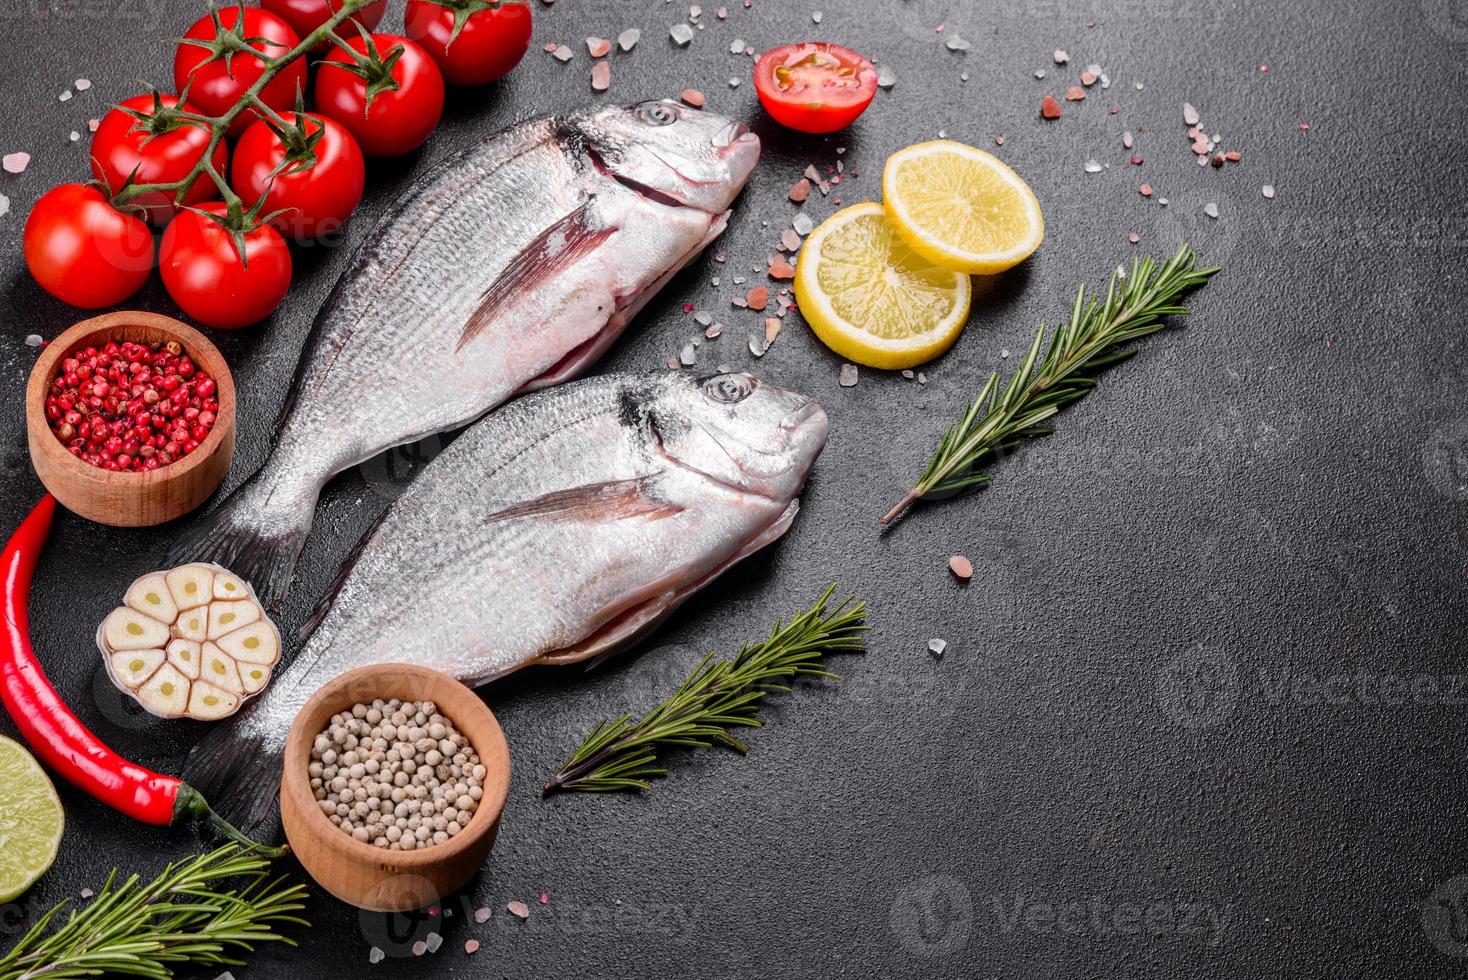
84 251
319 185
305 16
139 135
494 35
814 87
203 271
388 92
200 63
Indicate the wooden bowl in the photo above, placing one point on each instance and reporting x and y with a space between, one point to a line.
376 878
130 499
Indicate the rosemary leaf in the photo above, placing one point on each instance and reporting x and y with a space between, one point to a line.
1003 416
187 916
622 754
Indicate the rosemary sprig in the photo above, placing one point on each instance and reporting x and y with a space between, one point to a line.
716 697
184 916
997 420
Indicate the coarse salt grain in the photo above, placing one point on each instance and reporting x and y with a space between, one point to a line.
518 909
15 163
601 76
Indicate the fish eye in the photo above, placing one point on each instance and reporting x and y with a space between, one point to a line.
729 388
658 113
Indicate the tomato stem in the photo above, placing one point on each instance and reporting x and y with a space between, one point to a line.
249 99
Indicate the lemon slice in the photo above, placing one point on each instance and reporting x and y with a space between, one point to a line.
31 820
961 207
871 298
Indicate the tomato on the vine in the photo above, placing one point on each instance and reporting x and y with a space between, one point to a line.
473 41
203 269
305 16
311 172
84 251
144 138
387 91
212 63
814 87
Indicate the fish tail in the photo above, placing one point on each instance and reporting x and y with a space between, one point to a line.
238 771
257 532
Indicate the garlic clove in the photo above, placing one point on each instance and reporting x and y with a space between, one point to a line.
228 585
191 585
184 655
193 625
128 629
253 676
132 667
209 703
219 669
166 693
255 644
226 617
150 595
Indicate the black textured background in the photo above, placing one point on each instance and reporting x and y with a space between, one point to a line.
1201 709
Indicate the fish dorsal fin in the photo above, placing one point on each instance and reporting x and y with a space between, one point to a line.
546 256
613 500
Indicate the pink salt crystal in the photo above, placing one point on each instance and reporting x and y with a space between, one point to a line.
598 46
472 946
601 76
1075 94
757 298
14 163
519 909
801 190
693 97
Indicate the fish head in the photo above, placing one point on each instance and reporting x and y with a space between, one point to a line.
672 153
741 432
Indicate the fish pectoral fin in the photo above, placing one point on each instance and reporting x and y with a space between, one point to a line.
546 256
614 500
619 632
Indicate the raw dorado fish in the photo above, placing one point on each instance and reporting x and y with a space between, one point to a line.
564 526
508 269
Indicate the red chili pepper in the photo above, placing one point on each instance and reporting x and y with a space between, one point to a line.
57 735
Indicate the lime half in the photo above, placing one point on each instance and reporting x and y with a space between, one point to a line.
31 820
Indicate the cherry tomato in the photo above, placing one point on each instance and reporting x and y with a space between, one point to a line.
214 88
204 274
160 149
84 251
407 98
321 184
814 87
492 40
305 16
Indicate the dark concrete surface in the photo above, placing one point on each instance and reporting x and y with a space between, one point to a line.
1202 707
